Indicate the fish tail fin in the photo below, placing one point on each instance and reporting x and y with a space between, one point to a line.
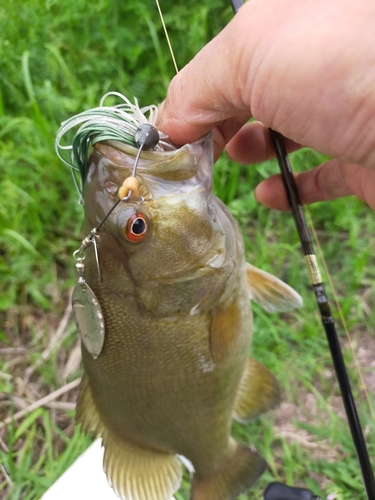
132 471
258 392
239 473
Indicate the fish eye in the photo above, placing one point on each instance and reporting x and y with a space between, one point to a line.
136 228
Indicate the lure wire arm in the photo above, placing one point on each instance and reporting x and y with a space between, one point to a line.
327 319
146 137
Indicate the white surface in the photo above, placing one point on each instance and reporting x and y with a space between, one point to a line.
84 479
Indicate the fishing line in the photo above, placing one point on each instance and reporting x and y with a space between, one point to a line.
342 318
327 319
166 35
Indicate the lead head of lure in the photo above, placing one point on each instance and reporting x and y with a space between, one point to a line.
146 136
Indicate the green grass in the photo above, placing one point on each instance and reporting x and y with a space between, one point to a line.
59 59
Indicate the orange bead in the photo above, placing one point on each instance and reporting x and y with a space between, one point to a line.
130 183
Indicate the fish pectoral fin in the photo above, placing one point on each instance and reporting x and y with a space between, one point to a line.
236 475
271 293
259 391
132 471
140 473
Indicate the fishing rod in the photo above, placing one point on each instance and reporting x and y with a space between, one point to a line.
328 322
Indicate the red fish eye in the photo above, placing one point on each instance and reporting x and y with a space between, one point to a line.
136 227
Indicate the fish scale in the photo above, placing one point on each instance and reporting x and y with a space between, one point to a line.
151 349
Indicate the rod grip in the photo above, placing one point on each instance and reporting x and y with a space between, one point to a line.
280 491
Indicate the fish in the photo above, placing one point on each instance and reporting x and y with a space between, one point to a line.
175 294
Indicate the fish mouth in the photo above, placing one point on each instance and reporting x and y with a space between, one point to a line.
177 164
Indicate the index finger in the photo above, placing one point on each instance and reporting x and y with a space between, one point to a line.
206 93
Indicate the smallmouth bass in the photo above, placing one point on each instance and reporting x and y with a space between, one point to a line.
175 295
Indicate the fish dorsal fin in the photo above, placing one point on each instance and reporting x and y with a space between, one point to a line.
132 471
271 293
258 392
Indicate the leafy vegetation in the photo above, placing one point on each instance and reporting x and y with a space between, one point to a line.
59 59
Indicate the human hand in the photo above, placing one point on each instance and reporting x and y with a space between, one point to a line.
305 69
